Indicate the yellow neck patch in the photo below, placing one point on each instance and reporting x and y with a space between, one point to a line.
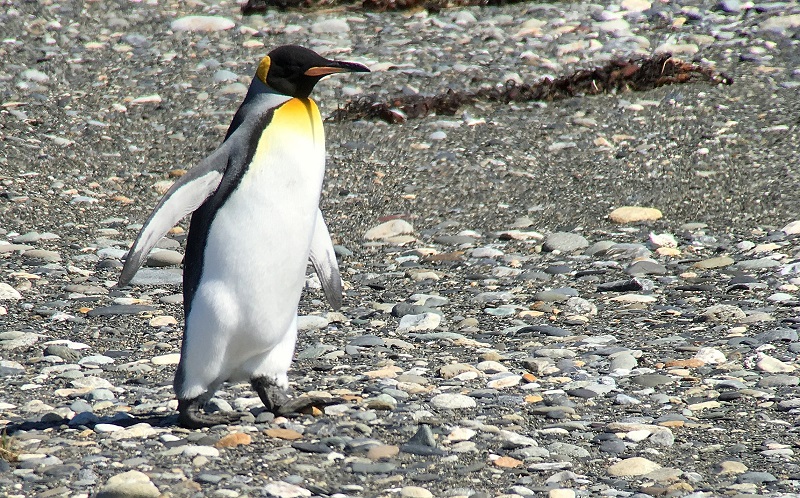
301 117
294 134
263 69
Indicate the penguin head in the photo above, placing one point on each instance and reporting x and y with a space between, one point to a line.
293 70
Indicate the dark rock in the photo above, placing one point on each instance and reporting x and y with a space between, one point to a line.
373 468
535 275
614 446
646 268
209 478
776 335
63 352
652 380
631 285
367 341
423 437
756 477
582 393
311 447
565 242
547 330
558 269
121 309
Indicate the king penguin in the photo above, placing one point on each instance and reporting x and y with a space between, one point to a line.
255 224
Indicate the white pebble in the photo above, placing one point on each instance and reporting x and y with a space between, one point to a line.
202 23
710 356
415 323
311 322
166 359
453 401
389 229
206 451
330 26
8 293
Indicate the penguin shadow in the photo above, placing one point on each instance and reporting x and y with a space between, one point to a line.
52 423
296 407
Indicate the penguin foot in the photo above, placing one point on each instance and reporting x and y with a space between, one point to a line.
273 396
277 402
190 416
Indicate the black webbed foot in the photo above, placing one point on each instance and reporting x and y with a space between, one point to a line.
273 396
191 417
277 402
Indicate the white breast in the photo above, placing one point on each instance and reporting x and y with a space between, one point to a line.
258 243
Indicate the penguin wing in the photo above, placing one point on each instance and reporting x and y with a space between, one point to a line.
185 195
323 258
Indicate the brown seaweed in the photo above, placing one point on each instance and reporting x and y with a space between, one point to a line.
616 76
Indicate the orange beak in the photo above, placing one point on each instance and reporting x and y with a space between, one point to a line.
336 67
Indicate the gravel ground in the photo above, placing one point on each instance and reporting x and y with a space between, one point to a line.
502 335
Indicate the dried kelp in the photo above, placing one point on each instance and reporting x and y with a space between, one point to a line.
260 6
617 76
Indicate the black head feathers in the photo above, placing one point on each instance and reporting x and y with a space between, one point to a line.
293 70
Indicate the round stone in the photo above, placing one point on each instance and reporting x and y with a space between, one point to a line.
731 467
486 252
46 256
330 26
383 451
504 382
8 293
561 493
415 492
137 431
202 23
630 467
389 229
285 490
166 359
710 356
164 257
311 322
565 242
11 367
652 380
163 321
779 380
623 361
382 402
14 339
723 313
131 484
100 395
233 440
711 263
756 264
792 228
453 401
771 364
206 451
631 214
416 323
685 49
756 477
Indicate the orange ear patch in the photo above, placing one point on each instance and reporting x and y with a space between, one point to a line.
324 71
263 69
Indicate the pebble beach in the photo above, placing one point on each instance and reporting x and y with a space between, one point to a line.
598 296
